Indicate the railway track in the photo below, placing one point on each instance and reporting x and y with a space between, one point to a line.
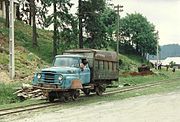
20 109
26 108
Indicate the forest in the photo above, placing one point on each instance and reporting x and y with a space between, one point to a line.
94 25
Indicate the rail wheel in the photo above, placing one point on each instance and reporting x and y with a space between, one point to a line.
66 99
98 90
51 99
86 91
51 96
75 95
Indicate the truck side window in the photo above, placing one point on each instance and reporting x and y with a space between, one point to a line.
83 63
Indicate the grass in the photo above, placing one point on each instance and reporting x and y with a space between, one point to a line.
6 93
163 75
159 75
27 58
129 62
9 100
23 38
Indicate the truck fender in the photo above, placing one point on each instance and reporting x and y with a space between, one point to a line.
76 84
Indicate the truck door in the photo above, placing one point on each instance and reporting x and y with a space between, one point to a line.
84 73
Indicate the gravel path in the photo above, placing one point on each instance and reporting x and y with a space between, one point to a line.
151 108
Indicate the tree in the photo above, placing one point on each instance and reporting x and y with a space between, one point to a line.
108 18
138 33
28 13
63 22
33 12
80 25
7 12
94 27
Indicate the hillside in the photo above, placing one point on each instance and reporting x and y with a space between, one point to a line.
28 59
171 50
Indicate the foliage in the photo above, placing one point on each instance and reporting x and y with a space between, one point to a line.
138 33
98 23
65 24
6 93
172 63
129 63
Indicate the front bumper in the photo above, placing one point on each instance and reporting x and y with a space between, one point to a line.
48 87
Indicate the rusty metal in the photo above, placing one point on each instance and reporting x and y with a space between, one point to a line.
96 58
76 84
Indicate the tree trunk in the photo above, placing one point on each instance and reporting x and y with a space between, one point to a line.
31 11
80 25
34 24
34 31
55 31
7 13
18 13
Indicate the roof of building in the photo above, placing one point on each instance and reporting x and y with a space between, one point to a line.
169 59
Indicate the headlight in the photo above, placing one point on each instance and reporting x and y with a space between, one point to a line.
39 76
60 77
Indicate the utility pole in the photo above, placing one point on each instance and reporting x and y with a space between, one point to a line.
11 40
118 10
80 25
157 51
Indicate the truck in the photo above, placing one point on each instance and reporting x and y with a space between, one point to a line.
88 70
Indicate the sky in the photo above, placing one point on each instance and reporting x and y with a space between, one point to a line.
164 14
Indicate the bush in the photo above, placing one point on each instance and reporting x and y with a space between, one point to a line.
6 93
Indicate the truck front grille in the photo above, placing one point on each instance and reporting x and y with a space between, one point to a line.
49 76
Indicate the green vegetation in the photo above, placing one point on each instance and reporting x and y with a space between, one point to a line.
6 93
7 89
130 62
139 35
27 58
23 38
157 76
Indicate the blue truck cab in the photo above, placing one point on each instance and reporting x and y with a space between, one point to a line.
67 72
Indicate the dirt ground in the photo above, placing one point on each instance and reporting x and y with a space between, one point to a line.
151 108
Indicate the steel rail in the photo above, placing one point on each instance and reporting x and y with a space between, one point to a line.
17 107
27 108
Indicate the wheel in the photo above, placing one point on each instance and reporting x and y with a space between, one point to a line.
51 99
98 90
66 99
51 96
86 91
75 95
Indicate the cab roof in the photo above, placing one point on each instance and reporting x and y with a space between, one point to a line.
72 56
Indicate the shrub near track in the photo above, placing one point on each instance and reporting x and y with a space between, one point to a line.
6 93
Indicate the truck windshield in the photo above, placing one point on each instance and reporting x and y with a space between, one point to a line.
66 62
